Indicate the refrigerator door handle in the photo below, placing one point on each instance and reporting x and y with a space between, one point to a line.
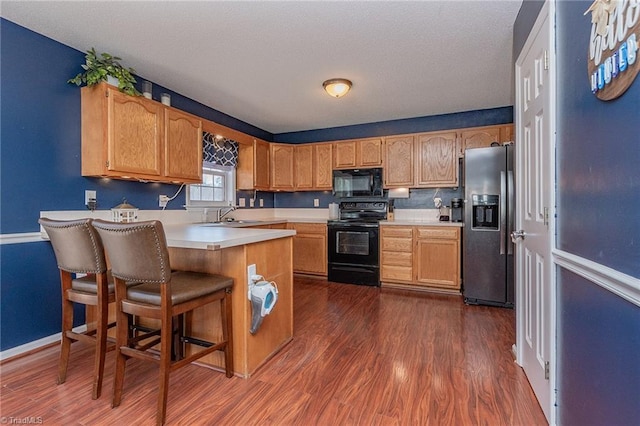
503 212
512 209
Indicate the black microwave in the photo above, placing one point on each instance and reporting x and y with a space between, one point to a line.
357 183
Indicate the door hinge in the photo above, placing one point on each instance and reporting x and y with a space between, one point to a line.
546 60
546 370
546 216
106 164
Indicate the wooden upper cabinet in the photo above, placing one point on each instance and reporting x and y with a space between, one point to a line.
183 145
303 167
344 155
507 133
399 162
252 172
437 159
365 153
322 166
262 165
129 137
480 137
282 176
369 152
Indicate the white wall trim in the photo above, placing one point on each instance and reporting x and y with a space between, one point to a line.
36 344
616 282
24 237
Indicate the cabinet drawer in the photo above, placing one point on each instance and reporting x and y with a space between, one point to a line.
396 231
397 244
390 258
308 228
396 273
440 232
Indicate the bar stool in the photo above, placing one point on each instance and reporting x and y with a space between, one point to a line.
138 252
78 249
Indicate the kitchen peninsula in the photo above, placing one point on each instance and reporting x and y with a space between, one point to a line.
229 251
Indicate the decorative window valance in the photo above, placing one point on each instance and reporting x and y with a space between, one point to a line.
220 151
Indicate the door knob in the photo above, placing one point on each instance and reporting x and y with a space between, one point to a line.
517 235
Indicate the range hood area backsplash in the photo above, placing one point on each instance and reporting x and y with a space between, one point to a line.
418 198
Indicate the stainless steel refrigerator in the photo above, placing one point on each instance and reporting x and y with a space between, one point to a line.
488 261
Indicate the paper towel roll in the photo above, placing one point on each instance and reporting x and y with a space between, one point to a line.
333 211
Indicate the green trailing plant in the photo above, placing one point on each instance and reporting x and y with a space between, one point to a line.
98 67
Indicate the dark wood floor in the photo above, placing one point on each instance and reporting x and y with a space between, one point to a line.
360 356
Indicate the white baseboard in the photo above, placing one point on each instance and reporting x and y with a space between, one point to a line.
36 344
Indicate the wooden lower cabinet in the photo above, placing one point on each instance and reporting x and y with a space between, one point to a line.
309 248
420 257
437 257
396 254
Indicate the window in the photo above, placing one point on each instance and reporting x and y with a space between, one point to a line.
218 187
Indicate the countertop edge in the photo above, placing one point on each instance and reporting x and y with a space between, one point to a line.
420 223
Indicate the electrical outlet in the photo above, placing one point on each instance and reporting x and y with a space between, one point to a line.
241 202
316 202
90 199
89 196
163 200
251 202
261 202
437 202
251 271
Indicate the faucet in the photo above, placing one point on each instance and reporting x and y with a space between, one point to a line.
221 215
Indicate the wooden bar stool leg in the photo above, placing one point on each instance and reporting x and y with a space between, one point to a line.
166 333
67 325
227 332
122 339
101 335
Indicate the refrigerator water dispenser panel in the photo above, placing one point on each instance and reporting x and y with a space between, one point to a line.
486 212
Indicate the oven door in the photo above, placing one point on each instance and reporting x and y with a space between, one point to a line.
355 244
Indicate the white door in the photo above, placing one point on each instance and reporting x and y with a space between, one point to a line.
535 141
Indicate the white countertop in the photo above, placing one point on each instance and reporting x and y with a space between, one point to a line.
206 237
421 223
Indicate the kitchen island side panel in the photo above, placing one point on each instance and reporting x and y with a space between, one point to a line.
273 260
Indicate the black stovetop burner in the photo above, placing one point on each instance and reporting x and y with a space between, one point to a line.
362 211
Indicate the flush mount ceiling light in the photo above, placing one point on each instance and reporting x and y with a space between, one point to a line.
337 87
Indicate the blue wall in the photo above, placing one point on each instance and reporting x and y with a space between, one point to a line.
457 120
599 354
598 196
598 202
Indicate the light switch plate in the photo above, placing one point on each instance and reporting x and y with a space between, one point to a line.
316 202
261 202
241 202
251 202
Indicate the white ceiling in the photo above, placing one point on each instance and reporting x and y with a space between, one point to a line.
264 62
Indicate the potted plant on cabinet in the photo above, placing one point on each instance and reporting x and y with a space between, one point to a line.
98 67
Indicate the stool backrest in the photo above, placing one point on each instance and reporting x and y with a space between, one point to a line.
137 251
76 244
